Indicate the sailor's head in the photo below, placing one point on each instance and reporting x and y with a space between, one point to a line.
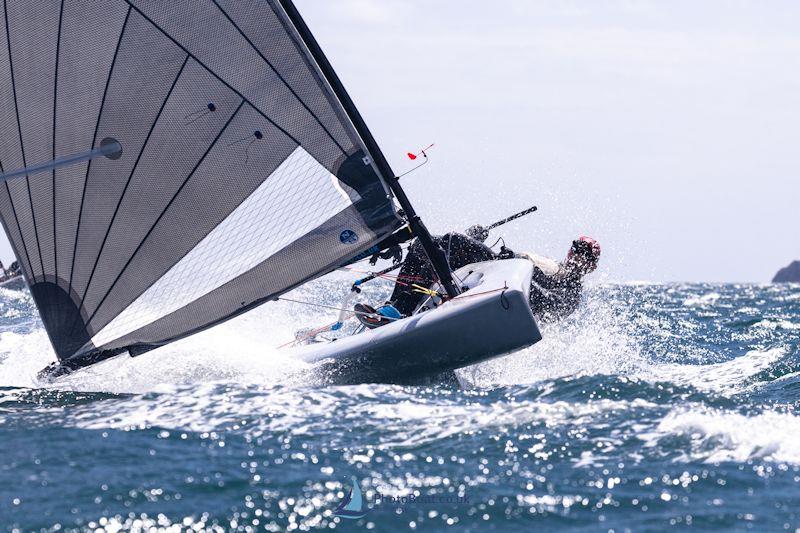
583 255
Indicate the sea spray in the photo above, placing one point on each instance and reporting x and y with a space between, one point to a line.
653 406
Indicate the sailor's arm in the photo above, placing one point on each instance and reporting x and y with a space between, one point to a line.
477 250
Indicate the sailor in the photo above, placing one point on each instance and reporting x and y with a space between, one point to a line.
556 288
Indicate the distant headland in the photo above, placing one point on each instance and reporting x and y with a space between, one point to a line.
788 274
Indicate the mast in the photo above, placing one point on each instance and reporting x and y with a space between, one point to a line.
432 250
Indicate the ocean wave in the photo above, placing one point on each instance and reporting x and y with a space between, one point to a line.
726 378
715 436
702 300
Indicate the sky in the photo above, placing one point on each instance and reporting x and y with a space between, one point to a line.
666 130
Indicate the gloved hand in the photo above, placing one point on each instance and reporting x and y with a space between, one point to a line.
393 252
478 232
505 253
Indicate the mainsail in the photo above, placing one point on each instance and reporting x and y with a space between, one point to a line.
240 176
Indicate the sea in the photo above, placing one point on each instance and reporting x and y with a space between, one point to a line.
654 407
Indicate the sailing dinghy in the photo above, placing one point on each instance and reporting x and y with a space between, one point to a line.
166 166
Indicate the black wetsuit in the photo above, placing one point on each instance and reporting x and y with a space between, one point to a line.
552 297
460 251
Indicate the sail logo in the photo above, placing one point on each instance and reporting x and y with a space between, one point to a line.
352 506
348 236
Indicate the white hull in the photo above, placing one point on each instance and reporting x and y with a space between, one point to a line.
490 319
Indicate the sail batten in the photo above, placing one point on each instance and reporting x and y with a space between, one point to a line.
130 176
278 74
240 175
94 140
164 211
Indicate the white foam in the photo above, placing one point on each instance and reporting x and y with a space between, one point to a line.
592 341
771 324
405 421
597 339
704 300
240 351
727 378
718 436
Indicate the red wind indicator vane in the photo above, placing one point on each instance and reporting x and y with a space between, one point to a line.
413 156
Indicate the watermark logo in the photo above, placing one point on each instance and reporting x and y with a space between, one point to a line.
352 506
355 505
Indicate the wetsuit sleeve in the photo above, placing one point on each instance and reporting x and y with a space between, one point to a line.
552 297
543 280
463 250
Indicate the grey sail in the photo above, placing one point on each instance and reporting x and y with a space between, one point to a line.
240 174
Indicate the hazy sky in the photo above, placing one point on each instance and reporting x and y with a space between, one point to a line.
667 130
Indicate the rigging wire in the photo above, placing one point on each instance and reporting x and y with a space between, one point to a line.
413 156
498 240
335 308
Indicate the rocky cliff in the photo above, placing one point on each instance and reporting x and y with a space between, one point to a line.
790 273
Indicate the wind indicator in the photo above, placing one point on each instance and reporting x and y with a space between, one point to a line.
414 156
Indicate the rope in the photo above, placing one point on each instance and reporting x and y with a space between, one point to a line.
464 296
388 276
308 335
337 308
315 332
424 290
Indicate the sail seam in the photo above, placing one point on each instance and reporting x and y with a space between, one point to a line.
94 140
164 211
130 176
311 63
21 145
55 106
16 219
271 66
225 83
244 229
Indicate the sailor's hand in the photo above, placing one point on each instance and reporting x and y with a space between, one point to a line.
478 232
395 253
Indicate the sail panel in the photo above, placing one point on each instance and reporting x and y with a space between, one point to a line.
257 229
211 190
90 32
255 286
145 69
175 142
267 34
229 53
241 175
15 198
29 25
